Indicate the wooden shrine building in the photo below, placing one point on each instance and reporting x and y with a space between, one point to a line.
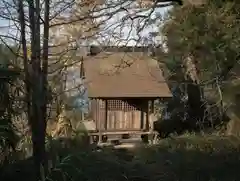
122 84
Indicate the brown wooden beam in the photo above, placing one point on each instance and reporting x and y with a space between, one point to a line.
152 106
147 116
106 114
142 119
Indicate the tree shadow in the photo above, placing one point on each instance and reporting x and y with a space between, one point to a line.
173 159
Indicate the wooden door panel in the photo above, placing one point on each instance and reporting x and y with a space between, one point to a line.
120 120
121 115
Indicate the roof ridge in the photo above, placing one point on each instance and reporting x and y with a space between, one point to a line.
115 49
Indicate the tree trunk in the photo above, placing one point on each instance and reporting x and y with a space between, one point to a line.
36 81
25 58
196 108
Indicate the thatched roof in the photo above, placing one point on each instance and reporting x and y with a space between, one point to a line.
124 74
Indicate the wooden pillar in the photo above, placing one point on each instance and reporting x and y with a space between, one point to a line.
99 121
152 117
97 113
152 106
142 118
147 115
106 115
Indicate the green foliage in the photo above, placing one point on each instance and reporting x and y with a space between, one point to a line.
6 55
190 157
209 32
184 158
8 137
8 132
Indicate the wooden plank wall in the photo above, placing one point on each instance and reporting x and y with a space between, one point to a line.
123 120
120 115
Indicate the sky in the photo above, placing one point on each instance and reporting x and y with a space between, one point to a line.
125 28
115 20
